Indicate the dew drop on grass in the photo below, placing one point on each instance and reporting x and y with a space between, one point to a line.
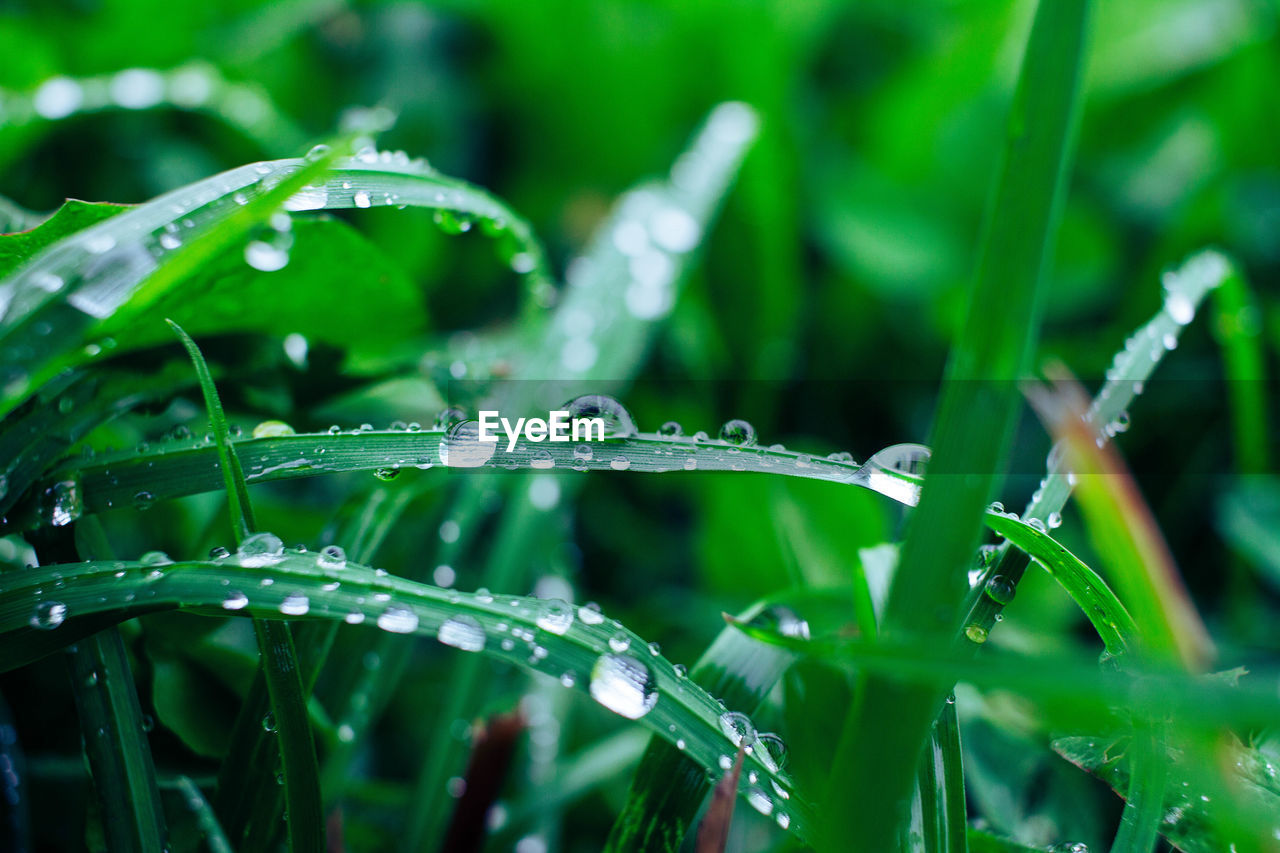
620 642
583 452
218 552
462 632
773 752
64 503
398 620
737 728
331 557
896 472
143 500
260 550
976 633
619 463
450 222
725 762
49 615
272 429
542 460
618 422
387 474
235 601
1054 520
269 723
295 605
590 614
624 685
738 432
155 558
555 615
760 801
1000 589
462 447
266 257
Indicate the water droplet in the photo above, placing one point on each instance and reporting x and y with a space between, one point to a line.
462 447
398 620
49 615
590 614
976 633
259 550
681 670
738 432
387 474
1000 589
760 801
624 685
269 723
737 728
674 229
317 152
655 649
155 558
331 557
462 632
725 762
1180 308
235 601
451 222
295 605
896 472
618 422
272 429
218 552
568 679
1054 520
619 463
670 428
773 752
542 460
63 502
620 642
690 464
266 256
361 199
143 500
583 452
555 615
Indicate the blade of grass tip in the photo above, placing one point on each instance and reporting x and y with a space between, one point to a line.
280 675
1238 329
875 761
1123 531
115 737
206 821
713 834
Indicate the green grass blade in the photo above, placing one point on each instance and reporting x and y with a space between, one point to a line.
280 671
668 789
875 762
1237 327
943 816
207 822
648 688
95 282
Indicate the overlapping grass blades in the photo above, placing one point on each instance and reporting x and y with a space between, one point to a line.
577 646
972 433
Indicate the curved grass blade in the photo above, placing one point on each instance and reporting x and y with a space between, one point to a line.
278 686
95 282
1184 290
943 817
668 788
633 682
115 737
206 820
886 727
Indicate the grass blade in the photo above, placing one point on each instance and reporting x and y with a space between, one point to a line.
647 688
280 671
874 765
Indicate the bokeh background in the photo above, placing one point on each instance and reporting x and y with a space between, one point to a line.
820 309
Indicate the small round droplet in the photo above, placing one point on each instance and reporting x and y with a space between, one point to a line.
1000 589
555 615
620 642
235 600
295 605
398 620
590 614
143 500
260 550
387 474
49 615
738 432
670 428
976 633
737 728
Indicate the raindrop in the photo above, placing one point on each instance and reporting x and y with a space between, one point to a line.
218 552
398 620
1054 520
272 429
555 615
462 447
387 474
49 615
1000 589
143 500
738 432
295 605
624 685
462 632
259 550
774 752
618 422
269 723
896 472
64 502
361 199
331 557
670 428
737 728
267 256
590 614
976 633
619 463
620 642
235 601
542 460
452 223
155 558
760 801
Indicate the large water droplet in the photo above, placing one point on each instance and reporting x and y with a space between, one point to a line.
618 422
624 685
462 632
63 502
235 601
462 447
1000 589
272 429
737 728
331 557
896 472
398 620
555 615
738 432
295 605
773 751
259 550
49 615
